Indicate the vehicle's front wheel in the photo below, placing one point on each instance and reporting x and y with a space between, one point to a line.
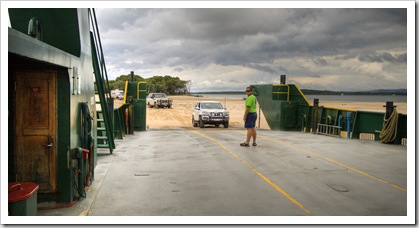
194 124
201 123
226 125
149 105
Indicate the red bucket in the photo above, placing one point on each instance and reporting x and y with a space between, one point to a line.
85 154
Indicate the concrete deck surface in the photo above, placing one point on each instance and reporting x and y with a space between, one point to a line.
204 172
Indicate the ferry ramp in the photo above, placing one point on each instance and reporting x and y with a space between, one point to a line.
205 172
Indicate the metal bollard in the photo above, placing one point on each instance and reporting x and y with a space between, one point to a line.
315 114
340 123
132 76
283 79
348 118
389 108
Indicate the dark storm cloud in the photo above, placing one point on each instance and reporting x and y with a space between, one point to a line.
262 68
120 18
178 69
381 57
320 61
402 58
263 41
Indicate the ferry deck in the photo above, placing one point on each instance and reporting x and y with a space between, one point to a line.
205 172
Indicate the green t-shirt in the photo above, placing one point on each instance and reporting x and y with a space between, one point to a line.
251 101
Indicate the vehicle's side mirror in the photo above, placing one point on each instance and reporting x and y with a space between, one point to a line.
196 108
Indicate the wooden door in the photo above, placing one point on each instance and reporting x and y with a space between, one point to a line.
35 157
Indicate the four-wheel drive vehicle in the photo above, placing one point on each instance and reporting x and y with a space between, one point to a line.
159 100
209 112
121 96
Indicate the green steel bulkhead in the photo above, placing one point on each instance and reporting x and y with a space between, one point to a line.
138 91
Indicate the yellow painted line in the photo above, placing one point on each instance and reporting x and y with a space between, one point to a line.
335 162
267 180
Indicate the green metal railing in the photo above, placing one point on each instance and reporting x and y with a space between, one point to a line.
105 116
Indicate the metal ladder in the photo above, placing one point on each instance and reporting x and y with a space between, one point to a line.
104 117
331 130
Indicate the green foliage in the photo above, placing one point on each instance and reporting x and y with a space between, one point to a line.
167 84
119 82
164 84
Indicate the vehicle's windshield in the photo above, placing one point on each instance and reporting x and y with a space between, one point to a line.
159 95
211 106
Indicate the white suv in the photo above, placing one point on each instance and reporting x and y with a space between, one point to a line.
209 112
159 100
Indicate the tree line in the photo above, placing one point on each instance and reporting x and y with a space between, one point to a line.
156 84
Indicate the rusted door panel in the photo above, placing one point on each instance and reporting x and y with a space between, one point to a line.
36 128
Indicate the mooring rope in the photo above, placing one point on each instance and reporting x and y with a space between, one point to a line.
389 131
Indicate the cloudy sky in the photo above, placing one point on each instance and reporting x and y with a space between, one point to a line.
224 49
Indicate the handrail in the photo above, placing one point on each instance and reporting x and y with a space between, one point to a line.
101 58
140 90
287 93
102 82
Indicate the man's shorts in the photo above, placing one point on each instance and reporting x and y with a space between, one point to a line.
250 120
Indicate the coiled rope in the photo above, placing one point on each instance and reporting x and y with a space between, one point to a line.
389 131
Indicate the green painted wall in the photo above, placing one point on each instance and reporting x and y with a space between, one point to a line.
66 50
279 109
60 26
286 108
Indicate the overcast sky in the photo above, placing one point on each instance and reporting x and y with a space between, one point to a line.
228 49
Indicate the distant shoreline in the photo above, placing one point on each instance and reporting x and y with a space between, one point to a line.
325 92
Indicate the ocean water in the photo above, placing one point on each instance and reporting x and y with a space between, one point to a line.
362 98
359 98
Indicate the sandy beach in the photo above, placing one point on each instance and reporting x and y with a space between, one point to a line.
180 115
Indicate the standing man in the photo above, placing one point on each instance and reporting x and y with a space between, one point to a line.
250 117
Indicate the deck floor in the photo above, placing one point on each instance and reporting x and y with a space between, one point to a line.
204 172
